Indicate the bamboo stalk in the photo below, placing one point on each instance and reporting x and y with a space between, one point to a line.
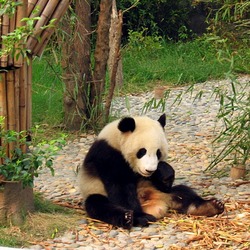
29 94
40 6
31 6
12 28
11 107
17 94
23 97
5 30
44 18
1 21
3 95
59 12
23 101
5 24
11 100
20 14
3 104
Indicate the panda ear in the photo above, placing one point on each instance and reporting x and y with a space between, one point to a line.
162 120
127 124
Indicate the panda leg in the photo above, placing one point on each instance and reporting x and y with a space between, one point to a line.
101 208
186 201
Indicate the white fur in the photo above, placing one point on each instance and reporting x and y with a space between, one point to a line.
89 185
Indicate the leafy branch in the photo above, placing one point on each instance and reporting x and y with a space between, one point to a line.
25 160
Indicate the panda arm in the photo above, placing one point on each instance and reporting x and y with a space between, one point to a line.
163 177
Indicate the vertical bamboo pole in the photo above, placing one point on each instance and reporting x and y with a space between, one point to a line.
1 21
29 94
5 31
3 96
11 100
21 12
11 29
23 100
11 107
17 95
3 102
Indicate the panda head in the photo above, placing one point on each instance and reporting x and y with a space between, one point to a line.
142 142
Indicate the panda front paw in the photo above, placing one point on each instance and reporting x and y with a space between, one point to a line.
127 221
143 219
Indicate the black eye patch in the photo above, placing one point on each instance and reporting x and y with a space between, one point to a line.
141 152
158 153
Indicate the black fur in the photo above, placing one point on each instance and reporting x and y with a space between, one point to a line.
120 183
127 124
163 178
162 120
185 196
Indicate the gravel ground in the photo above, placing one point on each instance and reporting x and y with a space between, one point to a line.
191 125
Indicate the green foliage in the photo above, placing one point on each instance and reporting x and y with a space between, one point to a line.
232 20
25 165
14 41
8 7
139 40
164 17
234 112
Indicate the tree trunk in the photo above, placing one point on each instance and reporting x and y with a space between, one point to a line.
114 39
101 55
114 65
76 65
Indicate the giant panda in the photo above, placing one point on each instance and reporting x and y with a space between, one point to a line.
125 179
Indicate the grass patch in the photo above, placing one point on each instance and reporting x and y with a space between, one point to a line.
172 64
145 64
47 222
47 92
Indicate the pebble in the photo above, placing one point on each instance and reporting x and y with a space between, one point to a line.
190 128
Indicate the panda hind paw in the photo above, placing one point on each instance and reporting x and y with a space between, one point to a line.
207 208
218 205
